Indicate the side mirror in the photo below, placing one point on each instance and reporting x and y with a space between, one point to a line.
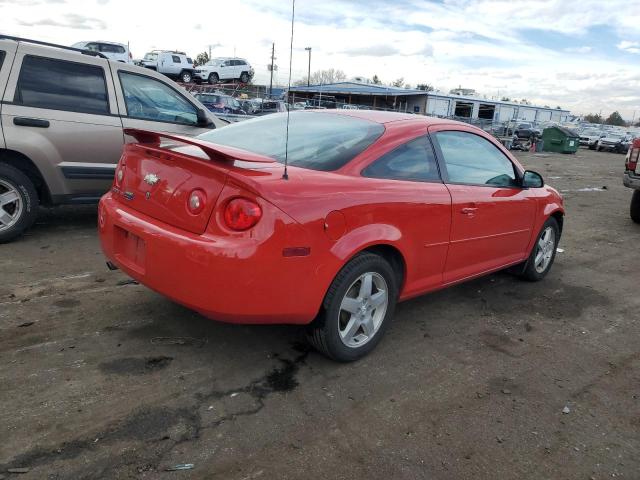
532 180
202 119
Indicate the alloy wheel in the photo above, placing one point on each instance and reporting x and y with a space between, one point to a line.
10 205
544 249
362 309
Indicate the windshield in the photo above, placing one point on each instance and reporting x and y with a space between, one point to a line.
615 136
317 141
151 56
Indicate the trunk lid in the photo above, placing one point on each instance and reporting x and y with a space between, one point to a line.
159 178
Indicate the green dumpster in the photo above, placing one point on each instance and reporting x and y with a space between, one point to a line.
560 140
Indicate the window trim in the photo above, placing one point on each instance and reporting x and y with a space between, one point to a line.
398 147
120 72
444 173
3 54
22 104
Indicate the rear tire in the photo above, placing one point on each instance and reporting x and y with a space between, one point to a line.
244 77
186 77
18 203
543 253
213 78
357 309
634 209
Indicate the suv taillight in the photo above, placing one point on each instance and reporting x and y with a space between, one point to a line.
632 157
241 214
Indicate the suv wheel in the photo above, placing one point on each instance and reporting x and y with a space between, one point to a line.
213 78
634 210
244 77
357 309
18 203
185 77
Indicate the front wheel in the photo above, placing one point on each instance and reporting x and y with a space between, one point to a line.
357 309
213 78
634 210
185 77
543 253
18 203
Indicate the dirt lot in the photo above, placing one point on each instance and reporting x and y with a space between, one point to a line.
102 378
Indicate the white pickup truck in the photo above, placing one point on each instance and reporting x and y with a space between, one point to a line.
631 178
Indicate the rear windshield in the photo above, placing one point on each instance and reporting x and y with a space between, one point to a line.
208 98
318 141
151 56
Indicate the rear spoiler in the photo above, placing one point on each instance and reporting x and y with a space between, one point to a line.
212 150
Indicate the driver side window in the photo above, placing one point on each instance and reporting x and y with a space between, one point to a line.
149 99
472 159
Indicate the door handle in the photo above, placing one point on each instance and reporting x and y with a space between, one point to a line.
468 210
30 122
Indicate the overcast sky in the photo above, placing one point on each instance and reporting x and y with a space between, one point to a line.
582 55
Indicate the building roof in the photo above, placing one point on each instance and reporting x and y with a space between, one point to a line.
346 88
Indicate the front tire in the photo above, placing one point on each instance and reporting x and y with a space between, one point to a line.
543 253
213 78
18 203
186 77
357 309
634 209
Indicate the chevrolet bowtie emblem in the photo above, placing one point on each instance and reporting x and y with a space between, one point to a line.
151 179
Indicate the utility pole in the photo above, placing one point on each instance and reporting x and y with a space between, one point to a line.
273 51
308 49
209 52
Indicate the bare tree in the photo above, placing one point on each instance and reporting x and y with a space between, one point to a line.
399 82
425 86
202 58
322 77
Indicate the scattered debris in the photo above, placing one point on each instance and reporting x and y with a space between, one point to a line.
500 439
26 324
234 394
128 281
560 250
179 466
198 342
566 410
506 391
18 470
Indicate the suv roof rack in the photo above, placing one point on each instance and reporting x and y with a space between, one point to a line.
55 45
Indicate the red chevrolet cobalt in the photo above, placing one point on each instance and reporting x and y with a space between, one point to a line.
374 208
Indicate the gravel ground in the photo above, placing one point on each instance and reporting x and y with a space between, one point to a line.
492 379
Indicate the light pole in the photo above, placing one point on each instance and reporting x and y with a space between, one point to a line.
308 49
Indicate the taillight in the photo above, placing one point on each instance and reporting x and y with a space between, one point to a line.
119 175
632 156
242 214
196 202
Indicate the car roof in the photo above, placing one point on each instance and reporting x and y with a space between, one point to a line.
383 117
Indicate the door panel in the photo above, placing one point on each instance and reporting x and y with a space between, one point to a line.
492 216
490 227
73 134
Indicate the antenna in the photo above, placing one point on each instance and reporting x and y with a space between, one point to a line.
285 175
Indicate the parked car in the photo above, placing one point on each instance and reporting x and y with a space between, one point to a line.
63 114
239 238
173 64
589 138
631 178
613 142
219 103
225 68
526 130
113 51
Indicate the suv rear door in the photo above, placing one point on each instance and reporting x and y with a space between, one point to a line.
60 111
7 52
149 101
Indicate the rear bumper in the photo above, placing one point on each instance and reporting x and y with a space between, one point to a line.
239 281
631 181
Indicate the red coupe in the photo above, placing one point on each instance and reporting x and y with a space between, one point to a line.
375 208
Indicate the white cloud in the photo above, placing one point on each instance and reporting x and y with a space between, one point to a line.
629 47
584 49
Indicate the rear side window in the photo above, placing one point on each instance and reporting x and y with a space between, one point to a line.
110 48
412 161
176 59
62 85
317 141
471 159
